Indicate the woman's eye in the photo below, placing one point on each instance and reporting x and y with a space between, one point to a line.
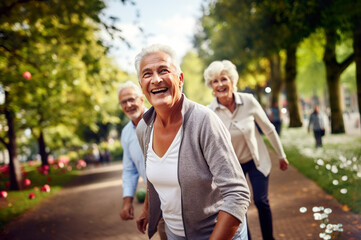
146 75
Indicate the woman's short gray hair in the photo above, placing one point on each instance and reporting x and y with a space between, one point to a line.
156 48
216 68
130 84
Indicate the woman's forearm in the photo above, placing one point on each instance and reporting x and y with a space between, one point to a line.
225 228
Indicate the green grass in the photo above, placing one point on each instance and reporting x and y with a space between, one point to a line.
17 202
336 167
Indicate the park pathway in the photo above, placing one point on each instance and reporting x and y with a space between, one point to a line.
89 209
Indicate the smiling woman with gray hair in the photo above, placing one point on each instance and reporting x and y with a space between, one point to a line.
240 112
194 179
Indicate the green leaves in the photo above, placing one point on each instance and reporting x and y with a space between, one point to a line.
246 32
193 68
57 42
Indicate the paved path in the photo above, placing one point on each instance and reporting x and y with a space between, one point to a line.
89 209
288 192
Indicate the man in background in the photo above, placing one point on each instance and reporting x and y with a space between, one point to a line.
132 103
131 100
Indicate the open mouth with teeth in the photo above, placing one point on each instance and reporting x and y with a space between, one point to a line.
159 90
130 110
221 90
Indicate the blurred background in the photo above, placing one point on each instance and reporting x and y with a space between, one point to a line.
61 63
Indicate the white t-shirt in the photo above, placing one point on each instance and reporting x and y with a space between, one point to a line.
163 174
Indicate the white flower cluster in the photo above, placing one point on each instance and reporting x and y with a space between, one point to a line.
330 231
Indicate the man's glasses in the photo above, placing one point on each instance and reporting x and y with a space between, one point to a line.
129 100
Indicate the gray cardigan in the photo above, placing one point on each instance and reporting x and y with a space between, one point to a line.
209 174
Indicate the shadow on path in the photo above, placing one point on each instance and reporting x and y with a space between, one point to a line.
88 208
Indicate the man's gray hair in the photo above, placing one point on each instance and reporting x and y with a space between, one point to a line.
130 84
216 68
156 48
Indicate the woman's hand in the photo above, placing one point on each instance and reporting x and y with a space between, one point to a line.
284 164
142 221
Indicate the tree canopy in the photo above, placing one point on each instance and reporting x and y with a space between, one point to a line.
72 79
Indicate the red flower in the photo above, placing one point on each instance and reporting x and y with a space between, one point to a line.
31 195
3 194
61 164
26 75
45 188
5 169
27 182
44 169
81 164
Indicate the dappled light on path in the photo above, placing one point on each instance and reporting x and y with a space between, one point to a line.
89 208
90 186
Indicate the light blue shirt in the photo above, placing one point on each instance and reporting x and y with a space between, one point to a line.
133 160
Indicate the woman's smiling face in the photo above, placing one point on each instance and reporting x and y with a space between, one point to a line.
222 86
159 79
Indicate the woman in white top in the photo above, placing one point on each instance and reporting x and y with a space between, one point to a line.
240 112
194 179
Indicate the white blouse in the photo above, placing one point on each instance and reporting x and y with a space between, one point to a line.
162 172
246 139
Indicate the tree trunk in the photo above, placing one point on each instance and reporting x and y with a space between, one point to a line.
42 149
337 123
357 51
14 165
276 79
259 94
333 72
291 88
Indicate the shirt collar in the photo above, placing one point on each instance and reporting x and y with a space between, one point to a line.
215 104
238 99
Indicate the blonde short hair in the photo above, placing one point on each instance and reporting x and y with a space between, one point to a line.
216 68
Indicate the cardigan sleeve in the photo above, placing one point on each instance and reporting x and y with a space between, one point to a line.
224 166
267 128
